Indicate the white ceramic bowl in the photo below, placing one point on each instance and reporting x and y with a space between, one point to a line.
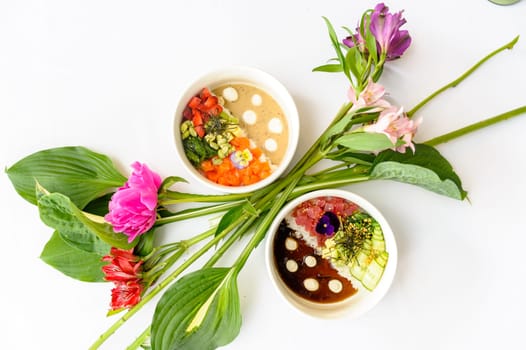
355 305
250 76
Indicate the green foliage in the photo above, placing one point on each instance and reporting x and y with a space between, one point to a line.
426 168
76 172
73 262
78 228
364 141
199 311
329 68
197 150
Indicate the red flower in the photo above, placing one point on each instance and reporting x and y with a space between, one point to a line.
125 270
126 294
123 266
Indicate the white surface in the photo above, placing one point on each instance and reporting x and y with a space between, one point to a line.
106 74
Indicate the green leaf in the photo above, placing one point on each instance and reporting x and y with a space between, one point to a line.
354 61
346 122
426 168
351 158
329 68
169 181
99 206
364 141
229 217
77 172
199 311
73 262
370 39
78 228
336 44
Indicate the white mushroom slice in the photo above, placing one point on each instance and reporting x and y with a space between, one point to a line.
335 286
311 284
230 94
291 265
291 244
271 145
249 117
256 100
275 125
310 261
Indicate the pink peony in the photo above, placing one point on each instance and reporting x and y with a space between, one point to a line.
133 206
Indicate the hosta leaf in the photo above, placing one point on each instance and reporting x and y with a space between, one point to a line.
199 311
426 168
78 228
76 172
73 262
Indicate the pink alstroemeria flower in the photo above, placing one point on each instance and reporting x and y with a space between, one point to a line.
370 96
133 206
395 124
385 27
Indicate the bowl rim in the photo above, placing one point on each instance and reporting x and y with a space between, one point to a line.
251 76
357 304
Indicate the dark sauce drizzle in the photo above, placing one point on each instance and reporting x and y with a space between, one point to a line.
323 272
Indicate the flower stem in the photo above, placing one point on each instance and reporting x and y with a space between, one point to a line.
169 279
457 81
198 212
155 290
172 197
263 226
476 126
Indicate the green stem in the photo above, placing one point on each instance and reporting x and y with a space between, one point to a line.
140 340
476 126
457 81
197 212
158 288
172 197
247 224
263 226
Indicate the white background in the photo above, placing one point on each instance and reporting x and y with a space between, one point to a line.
106 75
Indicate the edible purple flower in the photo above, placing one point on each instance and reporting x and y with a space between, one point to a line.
328 224
385 27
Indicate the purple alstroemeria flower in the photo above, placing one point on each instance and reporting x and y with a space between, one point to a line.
328 224
385 27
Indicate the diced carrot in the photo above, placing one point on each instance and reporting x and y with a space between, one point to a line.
207 165
256 152
240 143
212 176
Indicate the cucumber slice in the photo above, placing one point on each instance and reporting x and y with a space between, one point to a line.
382 258
373 275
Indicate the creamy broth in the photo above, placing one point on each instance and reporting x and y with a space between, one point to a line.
259 115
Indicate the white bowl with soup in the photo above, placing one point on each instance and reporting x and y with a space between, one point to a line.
247 142
331 253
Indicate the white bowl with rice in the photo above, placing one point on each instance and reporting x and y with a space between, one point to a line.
331 253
